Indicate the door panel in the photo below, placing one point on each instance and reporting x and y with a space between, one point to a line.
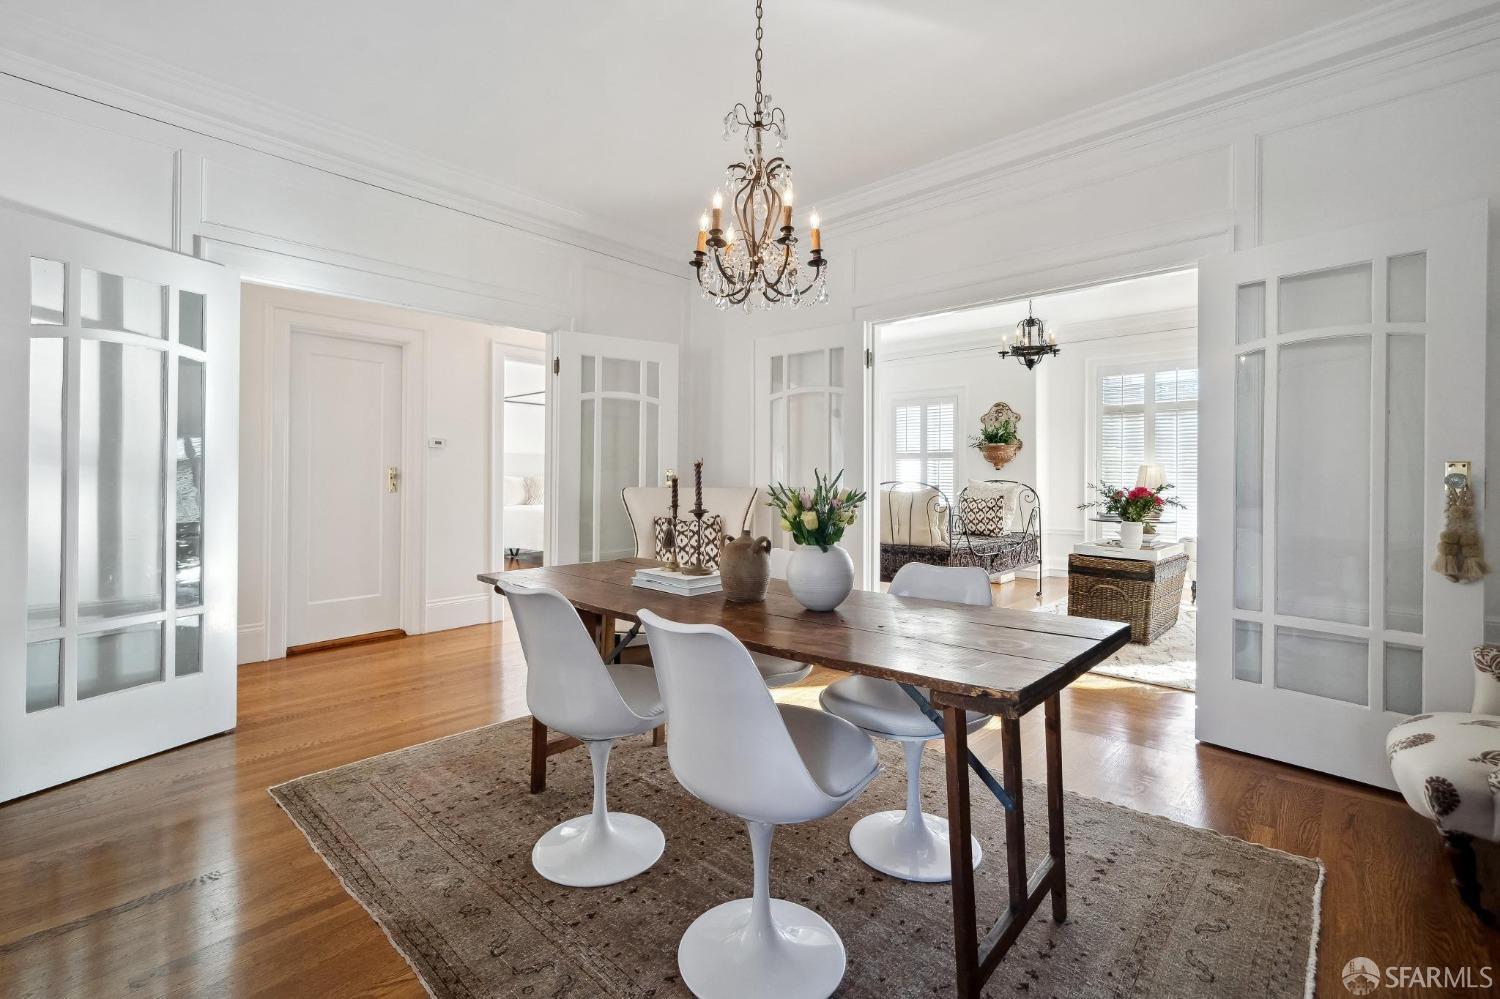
1340 372
616 424
809 405
344 558
119 414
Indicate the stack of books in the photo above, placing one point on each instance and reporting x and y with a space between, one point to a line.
1151 550
682 585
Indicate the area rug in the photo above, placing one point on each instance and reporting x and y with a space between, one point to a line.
1170 661
434 841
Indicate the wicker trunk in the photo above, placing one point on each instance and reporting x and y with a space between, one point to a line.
1145 595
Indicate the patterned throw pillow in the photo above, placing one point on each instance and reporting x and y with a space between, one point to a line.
983 516
689 544
533 495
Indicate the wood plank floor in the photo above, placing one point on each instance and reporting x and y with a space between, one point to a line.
178 875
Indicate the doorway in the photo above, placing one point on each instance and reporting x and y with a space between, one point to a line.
521 391
344 525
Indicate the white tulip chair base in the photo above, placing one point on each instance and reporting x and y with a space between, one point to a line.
584 853
733 951
910 845
600 848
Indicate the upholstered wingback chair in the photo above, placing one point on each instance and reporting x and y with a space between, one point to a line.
1447 765
735 505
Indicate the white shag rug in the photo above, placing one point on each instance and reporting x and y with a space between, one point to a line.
1170 661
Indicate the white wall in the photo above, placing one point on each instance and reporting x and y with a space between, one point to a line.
455 392
309 224
979 378
1234 161
1066 412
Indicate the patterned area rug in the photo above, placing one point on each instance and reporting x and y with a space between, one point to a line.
1170 661
435 842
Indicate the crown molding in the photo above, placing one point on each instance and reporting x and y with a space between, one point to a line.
1070 334
1385 33
39 51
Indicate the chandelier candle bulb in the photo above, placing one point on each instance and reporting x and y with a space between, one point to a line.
718 212
814 232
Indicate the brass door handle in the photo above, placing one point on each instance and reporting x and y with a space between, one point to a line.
392 479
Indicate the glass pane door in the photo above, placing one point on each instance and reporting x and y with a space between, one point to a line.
1332 399
121 362
617 400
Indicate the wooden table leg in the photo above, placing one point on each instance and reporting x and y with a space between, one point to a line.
1056 844
538 757
961 853
1015 817
659 735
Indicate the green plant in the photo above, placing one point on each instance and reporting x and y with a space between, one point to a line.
1000 432
1130 506
819 515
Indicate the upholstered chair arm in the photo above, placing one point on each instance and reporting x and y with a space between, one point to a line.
1487 680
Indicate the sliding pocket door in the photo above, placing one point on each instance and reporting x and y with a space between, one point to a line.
118 471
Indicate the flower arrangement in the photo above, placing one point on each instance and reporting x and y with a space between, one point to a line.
1131 506
999 432
819 515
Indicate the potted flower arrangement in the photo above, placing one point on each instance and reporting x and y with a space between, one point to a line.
820 573
997 441
1132 506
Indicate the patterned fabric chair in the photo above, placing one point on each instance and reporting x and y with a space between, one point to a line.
1447 765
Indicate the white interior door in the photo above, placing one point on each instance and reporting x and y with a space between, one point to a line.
344 517
1339 373
809 415
616 426
119 413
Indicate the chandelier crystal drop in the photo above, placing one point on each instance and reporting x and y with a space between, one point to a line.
751 257
1033 342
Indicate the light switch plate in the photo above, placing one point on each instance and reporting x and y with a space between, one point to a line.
437 442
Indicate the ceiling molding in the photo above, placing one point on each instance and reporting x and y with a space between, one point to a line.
37 50
1390 30
1068 334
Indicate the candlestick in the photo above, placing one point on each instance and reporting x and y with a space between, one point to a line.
815 232
718 211
703 234
671 563
698 485
786 216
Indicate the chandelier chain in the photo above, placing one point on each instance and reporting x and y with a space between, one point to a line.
760 34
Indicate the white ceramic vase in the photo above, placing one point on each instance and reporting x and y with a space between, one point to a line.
820 580
1132 532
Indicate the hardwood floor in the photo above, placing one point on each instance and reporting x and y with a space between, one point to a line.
178 875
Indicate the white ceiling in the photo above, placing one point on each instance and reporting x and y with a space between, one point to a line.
613 109
1062 311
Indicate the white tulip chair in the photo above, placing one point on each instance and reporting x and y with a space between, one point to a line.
908 844
569 688
770 764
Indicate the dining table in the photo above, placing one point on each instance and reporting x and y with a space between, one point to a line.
949 658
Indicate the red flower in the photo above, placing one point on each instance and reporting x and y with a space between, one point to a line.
1159 501
1119 494
1139 492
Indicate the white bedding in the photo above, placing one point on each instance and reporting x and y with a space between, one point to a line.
522 527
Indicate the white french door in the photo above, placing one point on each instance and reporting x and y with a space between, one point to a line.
809 415
1339 373
616 412
119 398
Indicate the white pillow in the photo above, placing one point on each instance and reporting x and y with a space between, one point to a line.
1006 491
533 490
514 490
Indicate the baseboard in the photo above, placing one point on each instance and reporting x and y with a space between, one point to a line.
251 644
457 612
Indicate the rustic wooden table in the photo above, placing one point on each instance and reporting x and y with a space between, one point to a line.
1002 662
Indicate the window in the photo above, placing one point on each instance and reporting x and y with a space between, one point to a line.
924 444
1148 414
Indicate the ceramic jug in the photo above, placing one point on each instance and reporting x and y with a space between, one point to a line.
745 568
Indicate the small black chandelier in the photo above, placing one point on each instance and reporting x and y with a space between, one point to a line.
1033 342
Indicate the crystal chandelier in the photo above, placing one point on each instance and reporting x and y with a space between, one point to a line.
1033 342
754 258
